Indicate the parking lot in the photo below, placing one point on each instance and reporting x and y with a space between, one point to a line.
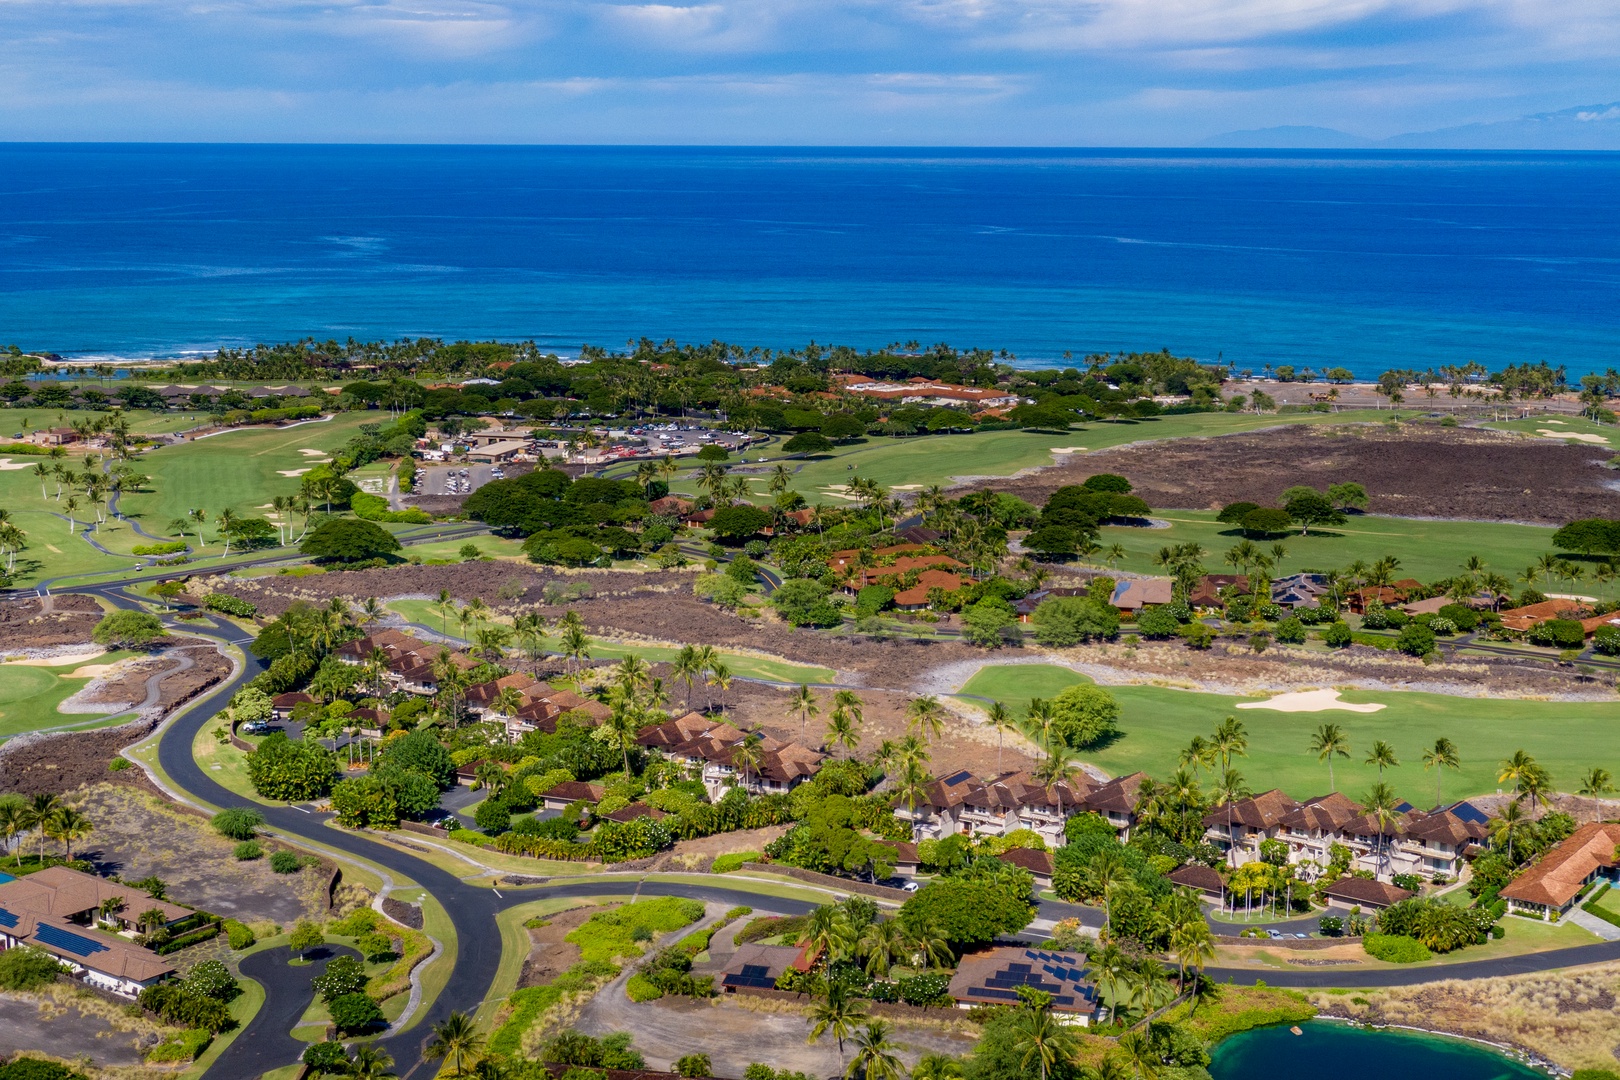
454 479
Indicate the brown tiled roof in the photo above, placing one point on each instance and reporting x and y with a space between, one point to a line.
574 791
1197 876
1523 618
1325 813
1262 811
1561 873
489 691
633 811
1036 862
61 892
928 579
991 978
1367 893
1118 796
288 700
1446 827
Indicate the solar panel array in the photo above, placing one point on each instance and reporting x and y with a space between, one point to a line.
755 976
1057 976
67 942
958 778
7 919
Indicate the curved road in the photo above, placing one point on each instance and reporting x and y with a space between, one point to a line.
472 909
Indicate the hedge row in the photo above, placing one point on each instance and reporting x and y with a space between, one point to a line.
186 940
1591 907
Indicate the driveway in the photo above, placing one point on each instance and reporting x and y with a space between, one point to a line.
267 1042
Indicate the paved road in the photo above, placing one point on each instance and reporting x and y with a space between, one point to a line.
267 1043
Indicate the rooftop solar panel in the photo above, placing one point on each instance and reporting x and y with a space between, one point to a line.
7 918
959 777
68 942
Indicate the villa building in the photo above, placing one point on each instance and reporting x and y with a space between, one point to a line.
86 922
1409 842
993 977
962 804
1551 887
709 748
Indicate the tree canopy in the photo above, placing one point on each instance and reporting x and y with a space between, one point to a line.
348 540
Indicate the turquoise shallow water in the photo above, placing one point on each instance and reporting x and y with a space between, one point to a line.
1331 1051
1365 260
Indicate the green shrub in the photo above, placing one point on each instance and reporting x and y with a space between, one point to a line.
608 935
181 1046
27 1068
237 823
27 968
285 862
355 1013
694 1066
227 604
375 508
169 547
247 851
1595 1074
1394 948
239 935
641 988
725 864
118 764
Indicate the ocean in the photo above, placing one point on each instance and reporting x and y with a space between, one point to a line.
1366 260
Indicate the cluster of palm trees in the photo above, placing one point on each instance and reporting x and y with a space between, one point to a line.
970 528
45 815
12 539
96 483
704 664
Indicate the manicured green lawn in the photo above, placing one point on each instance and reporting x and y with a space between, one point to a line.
749 667
1426 549
241 470
1565 737
29 696
1569 428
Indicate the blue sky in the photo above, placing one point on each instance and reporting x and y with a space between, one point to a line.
942 72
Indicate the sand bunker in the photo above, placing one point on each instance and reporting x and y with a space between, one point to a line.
7 465
63 661
1068 449
1579 435
1557 421
907 487
293 472
1309 701
307 452
93 671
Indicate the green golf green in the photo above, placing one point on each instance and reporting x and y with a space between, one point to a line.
1157 722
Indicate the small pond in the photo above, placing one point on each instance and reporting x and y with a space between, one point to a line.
1332 1051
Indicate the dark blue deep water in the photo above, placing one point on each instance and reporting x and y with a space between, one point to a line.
1330 1051
1366 260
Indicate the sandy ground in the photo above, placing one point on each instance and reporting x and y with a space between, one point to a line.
66 659
138 834
1307 701
72 1028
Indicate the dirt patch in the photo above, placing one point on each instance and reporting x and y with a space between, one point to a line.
700 854
549 954
1415 471
37 623
405 914
75 1025
123 686
137 835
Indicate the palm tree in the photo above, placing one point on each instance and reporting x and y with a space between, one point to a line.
842 730
1043 1039
371 1062
13 818
1107 872
720 678
926 716
1228 789
1000 719
875 1057
836 1013
1440 757
1381 805
37 814
1060 767
884 945
937 1067
454 1041
576 646
1136 1048
1597 782
1383 756
1193 944
67 824
1198 754
1508 824
747 755
1231 740
1330 742
804 704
